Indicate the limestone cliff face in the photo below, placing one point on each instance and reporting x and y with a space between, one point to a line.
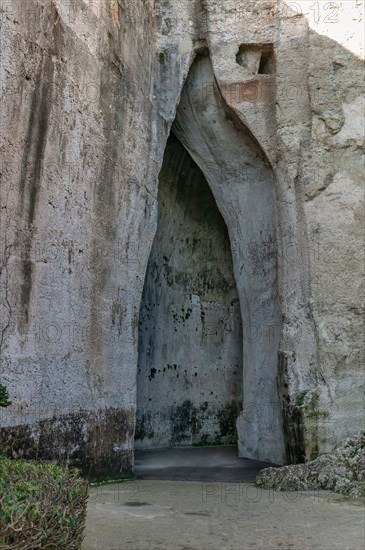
90 90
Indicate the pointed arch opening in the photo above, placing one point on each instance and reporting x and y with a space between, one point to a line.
240 178
189 381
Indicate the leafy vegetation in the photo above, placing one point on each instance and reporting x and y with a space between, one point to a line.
4 397
42 506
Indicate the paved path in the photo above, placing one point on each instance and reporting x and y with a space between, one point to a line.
178 515
205 515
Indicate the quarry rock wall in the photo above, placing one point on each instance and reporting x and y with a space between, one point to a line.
89 93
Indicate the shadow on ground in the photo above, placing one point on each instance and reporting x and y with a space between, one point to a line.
215 463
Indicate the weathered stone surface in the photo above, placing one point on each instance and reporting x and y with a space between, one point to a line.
343 471
89 93
243 186
98 442
189 380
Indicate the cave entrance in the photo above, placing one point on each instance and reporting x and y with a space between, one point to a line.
189 381
190 355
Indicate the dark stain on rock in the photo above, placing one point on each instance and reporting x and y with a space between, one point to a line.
152 373
34 150
111 104
143 427
185 422
31 170
227 417
293 419
26 283
92 441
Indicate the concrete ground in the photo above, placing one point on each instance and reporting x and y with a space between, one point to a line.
158 514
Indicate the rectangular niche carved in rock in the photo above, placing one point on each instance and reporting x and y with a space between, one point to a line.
256 58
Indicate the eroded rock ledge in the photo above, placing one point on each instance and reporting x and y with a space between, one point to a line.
342 471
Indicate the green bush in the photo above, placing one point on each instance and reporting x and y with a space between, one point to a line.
4 397
42 506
